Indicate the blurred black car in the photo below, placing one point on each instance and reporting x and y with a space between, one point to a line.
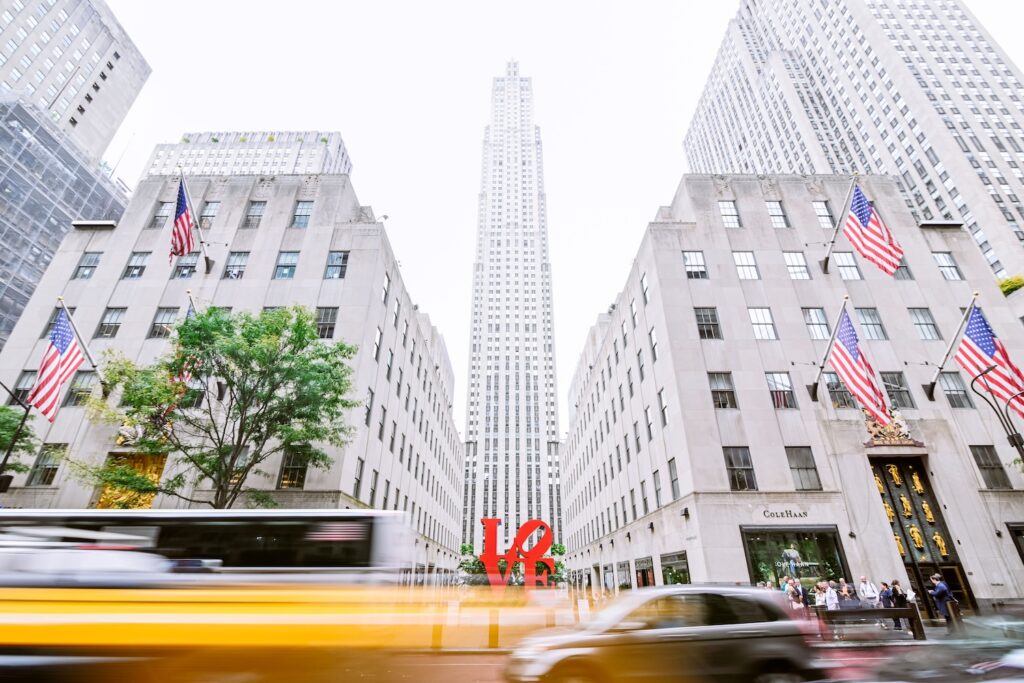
676 633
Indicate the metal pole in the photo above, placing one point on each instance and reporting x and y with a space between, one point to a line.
74 328
839 223
1014 437
812 388
10 446
199 226
929 389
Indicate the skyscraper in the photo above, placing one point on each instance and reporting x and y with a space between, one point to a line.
512 414
913 88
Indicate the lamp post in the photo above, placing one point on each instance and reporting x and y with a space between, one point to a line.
1001 411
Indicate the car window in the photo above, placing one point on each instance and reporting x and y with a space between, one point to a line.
750 611
673 611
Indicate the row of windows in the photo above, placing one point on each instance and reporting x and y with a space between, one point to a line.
870 322
796 264
234 268
777 217
253 214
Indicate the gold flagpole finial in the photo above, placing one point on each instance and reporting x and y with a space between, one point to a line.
189 292
846 297
60 298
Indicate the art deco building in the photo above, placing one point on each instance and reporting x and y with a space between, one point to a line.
511 466
696 452
274 241
917 89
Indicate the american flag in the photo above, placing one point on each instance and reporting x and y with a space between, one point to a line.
61 359
338 531
980 349
853 368
181 237
870 236
185 375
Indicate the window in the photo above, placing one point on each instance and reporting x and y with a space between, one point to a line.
801 465
48 330
649 420
337 265
992 472
871 324
185 268
162 213
136 265
653 337
817 323
253 215
673 478
825 220
286 262
376 344
662 407
294 465
645 288
730 215
776 215
208 213
903 271
762 322
693 262
81 387
26 380
955 390
369 407
897 389
163 323
848 268
925 323
44 470
325 320
796 264
723 394
358 482
387 288
780 386
708 326
640 363
300 217
657 489
87 265
746 266
739 468
632 311
947 265
841 397
234 269
110 323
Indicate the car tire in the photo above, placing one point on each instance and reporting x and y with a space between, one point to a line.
572 672
778 673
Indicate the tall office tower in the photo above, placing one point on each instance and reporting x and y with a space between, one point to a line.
512 415
290 239
913 88
252 153
73 60
68 75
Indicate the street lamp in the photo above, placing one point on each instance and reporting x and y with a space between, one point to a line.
1002 412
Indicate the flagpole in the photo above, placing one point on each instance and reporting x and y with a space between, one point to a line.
839 223
929 389
74 328
198 224
191 301
812 388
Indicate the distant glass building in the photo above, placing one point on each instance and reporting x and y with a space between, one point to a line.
46 182
917 89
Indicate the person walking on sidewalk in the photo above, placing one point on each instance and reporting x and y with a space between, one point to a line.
867 591
943 596
899 600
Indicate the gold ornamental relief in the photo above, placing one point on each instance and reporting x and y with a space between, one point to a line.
878 483
896 433
889 512
894 473
899 545
915 482
940 543
927 510
908 510
916 536
150 466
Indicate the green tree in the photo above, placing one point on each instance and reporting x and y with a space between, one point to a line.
261 385
1011 284
10 418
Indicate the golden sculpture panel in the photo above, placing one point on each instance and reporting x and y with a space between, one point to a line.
889 512
940 543
899 544
916 536
908 509
878 483
894 473
915 482
927 510
150 466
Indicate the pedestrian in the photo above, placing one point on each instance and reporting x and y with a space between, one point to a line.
867 591
899 601
831 596
885 598
847 595
819 595
943 596
798 595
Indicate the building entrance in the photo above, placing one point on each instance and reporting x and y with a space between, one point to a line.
919 529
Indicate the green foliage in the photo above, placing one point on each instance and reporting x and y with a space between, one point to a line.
262 385
1011 284
10 418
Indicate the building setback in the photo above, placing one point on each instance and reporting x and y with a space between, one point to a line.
915 89
252 153
511 467
274 241
695 452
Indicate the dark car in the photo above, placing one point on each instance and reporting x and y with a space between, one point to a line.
676 633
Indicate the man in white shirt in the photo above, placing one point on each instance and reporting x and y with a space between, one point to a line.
831 597
867 591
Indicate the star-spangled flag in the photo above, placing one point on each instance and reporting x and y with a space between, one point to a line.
182 241
856 372
870 236
62 358
980 349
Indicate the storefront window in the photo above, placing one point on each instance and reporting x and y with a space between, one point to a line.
644 572
675 569
624 576
608 577
808 554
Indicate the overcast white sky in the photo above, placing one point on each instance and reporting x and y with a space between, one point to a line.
408 86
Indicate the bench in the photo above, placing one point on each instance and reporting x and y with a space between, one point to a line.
911 613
